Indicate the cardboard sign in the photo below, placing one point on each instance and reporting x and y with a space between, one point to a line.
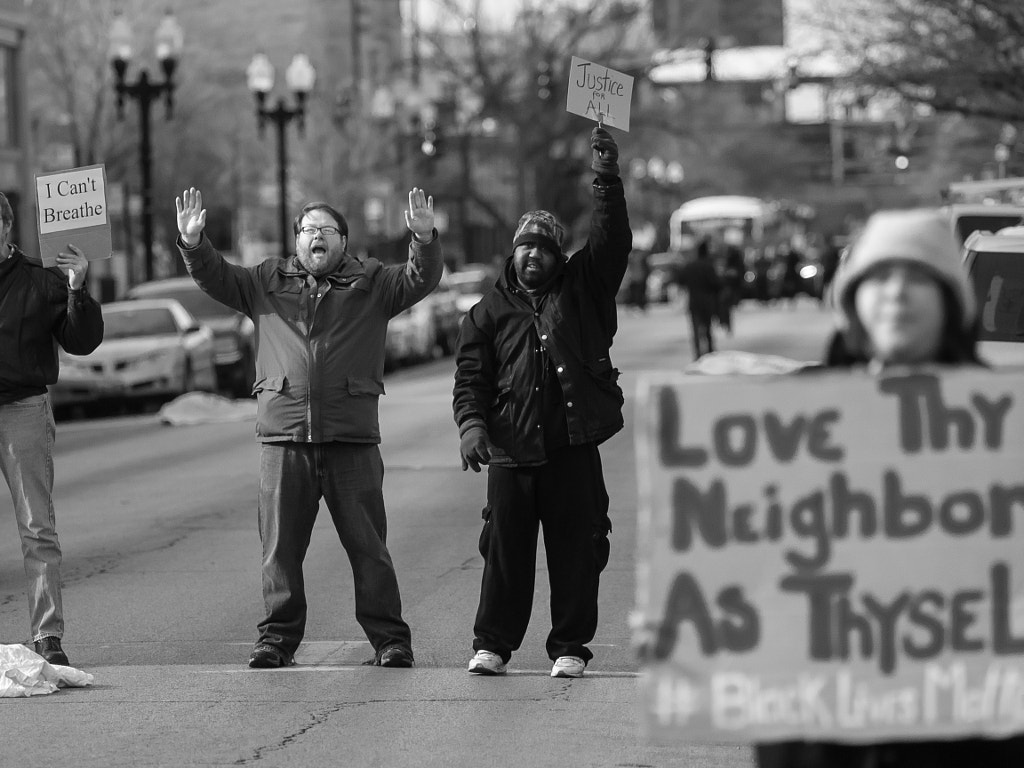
71 208
599 93
831 556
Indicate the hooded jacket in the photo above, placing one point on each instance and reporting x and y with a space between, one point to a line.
507 341
921 237
38 312
319 345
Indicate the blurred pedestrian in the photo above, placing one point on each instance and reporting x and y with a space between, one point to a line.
902 298
703 287
39 308
637 274
733 270
535 394
763 277
321 316
789 259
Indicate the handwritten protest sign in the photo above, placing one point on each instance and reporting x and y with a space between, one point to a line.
831 556
599 93
72 208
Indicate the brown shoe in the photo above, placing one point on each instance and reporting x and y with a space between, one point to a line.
49 648
395 656
266 656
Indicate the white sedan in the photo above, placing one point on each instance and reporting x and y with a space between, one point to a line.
151 348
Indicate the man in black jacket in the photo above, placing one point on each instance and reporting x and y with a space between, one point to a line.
535 394
38 306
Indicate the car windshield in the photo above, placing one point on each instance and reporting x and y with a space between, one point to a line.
999 286
198 303
965 225
133 323
469 287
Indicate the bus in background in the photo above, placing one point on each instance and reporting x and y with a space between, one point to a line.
769 233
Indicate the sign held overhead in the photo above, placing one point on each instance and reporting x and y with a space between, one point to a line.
599 93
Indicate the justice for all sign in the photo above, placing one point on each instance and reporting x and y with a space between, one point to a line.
599 93
72 208
835 557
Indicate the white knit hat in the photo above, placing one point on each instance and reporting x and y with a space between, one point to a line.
923 237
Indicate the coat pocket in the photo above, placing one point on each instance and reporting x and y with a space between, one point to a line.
485 533
270 384
364 386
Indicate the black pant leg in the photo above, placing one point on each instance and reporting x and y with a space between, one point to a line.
508 544
574 514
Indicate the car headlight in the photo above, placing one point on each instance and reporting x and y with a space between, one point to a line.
157 355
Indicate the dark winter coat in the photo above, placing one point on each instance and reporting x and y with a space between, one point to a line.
703 286
38 312
319 346
505 345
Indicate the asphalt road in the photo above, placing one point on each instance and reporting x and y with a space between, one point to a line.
162 595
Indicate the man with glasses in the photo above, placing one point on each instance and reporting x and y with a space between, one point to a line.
321 317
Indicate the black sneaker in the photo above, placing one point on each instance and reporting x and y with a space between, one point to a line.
266 656
395 656
49 648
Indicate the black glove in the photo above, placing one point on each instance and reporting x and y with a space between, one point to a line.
606 153
475 448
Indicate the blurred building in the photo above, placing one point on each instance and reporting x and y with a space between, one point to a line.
15 151
758 119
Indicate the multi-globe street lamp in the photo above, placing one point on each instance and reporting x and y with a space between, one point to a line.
299 77
169 41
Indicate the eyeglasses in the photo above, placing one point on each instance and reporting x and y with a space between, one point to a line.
307 230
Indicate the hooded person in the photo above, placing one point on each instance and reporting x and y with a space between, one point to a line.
901 297
535 394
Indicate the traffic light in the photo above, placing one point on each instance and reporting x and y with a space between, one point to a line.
544 92
432 145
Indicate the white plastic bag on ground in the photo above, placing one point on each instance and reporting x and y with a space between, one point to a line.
730 362
206 408
26 673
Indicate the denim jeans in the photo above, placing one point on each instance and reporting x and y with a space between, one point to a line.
566 497
349 476
27 433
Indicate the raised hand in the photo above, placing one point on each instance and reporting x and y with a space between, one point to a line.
605 153
191 215
420 216
75 265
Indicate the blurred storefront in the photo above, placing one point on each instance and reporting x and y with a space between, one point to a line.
15 151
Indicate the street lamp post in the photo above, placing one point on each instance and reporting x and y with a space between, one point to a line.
299 77
169 42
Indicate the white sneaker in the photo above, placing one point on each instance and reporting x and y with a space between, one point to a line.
568 666
487 663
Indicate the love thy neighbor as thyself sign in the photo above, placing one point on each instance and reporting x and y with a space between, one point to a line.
600 93
72 208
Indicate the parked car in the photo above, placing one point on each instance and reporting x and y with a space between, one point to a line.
151 348
470 284
426 330
663 283
967 218
995 263
235 350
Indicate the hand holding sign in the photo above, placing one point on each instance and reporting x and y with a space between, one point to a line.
606 153
75 264
191 216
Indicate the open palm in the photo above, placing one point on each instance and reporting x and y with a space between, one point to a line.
191 215
420 216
